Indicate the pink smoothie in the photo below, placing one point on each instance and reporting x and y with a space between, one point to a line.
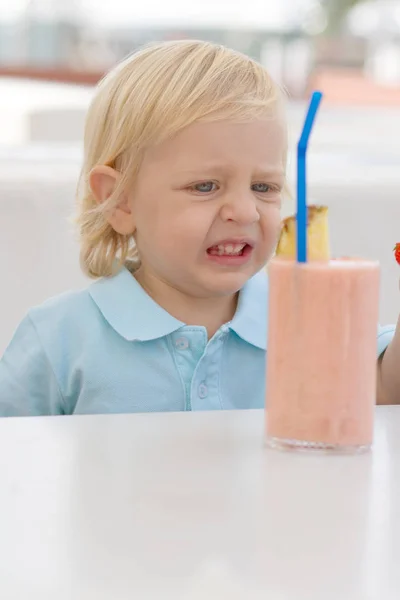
321 357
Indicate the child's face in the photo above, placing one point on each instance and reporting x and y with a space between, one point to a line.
206 205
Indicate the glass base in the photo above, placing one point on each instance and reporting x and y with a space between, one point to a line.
315 447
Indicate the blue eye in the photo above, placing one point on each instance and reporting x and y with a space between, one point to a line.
205 187
261 188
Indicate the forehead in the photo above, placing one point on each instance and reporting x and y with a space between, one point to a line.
261 143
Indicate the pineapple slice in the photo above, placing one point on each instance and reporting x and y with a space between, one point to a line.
317 235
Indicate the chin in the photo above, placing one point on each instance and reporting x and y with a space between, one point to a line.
227 283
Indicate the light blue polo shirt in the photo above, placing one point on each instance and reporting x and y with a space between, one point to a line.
111 349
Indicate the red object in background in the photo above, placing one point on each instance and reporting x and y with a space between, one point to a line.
351 87
59 75
396 251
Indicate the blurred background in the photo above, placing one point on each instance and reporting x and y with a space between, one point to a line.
52 53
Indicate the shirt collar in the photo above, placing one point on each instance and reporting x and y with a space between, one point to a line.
250 321
130 310
134 315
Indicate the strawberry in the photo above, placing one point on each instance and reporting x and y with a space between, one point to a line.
396 251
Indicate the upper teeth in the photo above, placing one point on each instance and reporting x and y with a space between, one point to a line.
230 248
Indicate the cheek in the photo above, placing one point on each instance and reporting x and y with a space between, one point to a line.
172 234
271 224
152 218
189 226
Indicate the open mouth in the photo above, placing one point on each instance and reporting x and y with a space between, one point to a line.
229 249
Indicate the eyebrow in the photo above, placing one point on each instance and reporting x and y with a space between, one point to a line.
270 172
214 167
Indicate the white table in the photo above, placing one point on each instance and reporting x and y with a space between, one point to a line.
193 506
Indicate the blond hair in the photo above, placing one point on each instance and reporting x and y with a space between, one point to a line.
147 98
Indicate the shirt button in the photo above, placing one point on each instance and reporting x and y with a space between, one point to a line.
203 391
182 343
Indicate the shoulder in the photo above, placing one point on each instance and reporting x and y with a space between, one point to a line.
37 364
69 335
61 312
67 325
385 336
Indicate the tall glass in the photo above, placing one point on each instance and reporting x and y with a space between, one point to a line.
321 355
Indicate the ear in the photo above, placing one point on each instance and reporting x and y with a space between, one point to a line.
103 181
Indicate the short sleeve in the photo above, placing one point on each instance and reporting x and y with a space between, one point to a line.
385 336
28 386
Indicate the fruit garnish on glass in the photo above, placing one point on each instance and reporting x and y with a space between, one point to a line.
317 235
396 252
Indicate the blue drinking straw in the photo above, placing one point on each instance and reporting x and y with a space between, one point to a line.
301 178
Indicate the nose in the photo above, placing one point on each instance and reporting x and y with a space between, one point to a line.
240 208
